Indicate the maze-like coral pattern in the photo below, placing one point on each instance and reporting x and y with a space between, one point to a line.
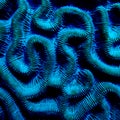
59 60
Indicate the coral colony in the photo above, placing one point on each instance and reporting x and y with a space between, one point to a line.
59 60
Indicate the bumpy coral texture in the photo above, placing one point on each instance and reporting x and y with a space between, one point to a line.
59 60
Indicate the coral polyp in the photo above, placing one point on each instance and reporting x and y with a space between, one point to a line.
59 60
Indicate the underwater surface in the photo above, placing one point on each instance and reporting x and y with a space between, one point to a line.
59 60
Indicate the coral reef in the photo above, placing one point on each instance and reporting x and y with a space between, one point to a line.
59 60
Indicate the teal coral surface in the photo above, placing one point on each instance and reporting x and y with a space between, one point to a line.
59 60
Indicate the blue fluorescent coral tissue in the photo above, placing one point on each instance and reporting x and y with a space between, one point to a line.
59 60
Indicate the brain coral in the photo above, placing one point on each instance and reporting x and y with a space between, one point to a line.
59 60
